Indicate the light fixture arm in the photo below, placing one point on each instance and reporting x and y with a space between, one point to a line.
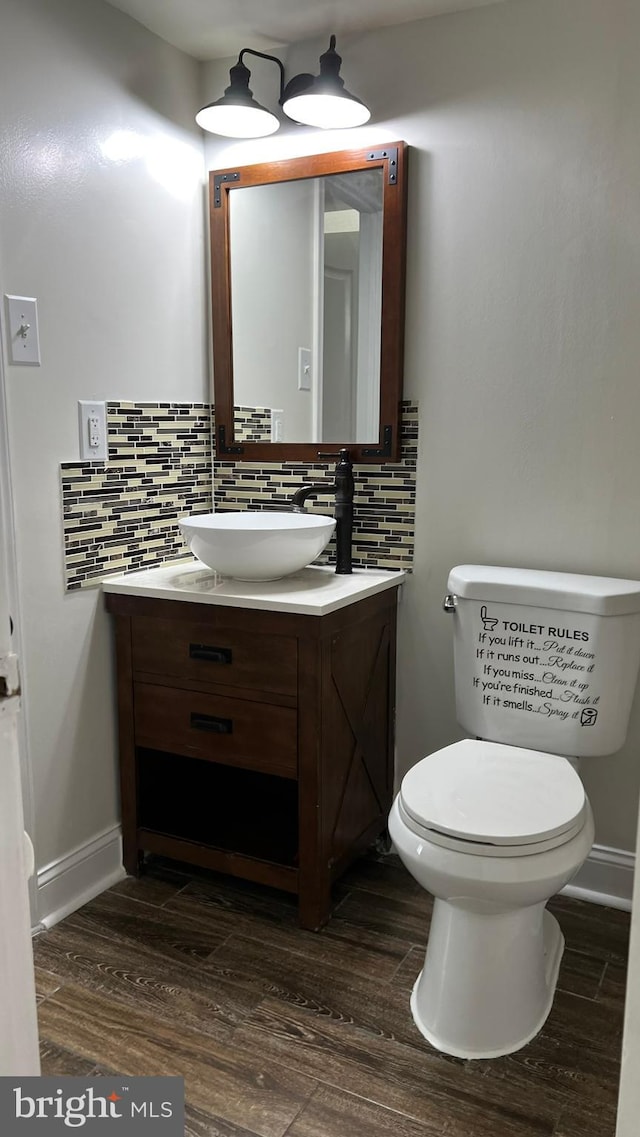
295 85
263 55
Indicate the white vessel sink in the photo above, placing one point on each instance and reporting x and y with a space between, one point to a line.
263 545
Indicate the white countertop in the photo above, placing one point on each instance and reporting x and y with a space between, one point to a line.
313 591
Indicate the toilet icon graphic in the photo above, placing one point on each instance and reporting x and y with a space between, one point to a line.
588 716
488 622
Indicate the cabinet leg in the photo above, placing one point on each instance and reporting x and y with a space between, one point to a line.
383 844
314 905
132 859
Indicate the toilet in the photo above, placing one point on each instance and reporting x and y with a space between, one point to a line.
493 826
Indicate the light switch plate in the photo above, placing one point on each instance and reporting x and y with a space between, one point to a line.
304 368
24 345
277 425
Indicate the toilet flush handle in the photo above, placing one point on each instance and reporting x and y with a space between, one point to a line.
449 602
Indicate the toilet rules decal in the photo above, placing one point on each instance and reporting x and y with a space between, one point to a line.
544 668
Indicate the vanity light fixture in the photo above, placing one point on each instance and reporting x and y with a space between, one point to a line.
310 100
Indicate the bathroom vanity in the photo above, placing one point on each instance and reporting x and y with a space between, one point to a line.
256 721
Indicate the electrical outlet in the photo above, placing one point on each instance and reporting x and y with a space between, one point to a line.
92 426
94 432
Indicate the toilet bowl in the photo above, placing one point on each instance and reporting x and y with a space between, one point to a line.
492 832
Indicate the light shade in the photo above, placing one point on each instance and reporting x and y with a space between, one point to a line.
237 114
237 121
327 110
323 101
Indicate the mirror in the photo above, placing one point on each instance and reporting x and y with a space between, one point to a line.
308 262
306 311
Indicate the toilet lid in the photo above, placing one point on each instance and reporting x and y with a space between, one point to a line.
494 794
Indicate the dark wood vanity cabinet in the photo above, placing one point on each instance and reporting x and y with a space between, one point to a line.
256 743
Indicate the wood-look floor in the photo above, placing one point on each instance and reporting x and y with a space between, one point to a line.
280 1031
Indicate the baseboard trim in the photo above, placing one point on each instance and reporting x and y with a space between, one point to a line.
67 883
606 878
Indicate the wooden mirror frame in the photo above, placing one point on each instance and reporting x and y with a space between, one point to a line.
392 158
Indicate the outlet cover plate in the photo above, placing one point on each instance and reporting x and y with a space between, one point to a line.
92 429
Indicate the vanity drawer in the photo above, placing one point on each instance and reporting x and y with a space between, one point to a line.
220 655
236 732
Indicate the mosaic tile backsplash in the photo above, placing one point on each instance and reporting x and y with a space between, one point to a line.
384 501
122 515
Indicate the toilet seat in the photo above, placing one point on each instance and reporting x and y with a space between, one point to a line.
490 799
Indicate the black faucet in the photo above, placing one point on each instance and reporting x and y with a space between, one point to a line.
343 489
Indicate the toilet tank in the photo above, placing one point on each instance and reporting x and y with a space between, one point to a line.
545 660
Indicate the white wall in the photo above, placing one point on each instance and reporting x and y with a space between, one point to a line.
523 335
101 218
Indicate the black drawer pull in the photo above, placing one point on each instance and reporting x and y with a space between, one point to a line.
211 723
211 654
